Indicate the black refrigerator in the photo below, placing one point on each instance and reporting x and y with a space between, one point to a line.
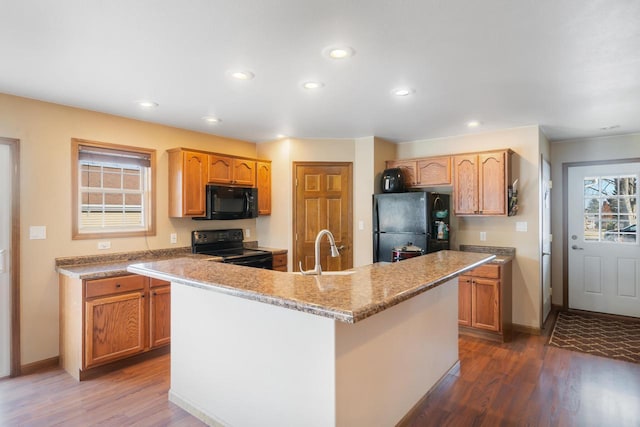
403 218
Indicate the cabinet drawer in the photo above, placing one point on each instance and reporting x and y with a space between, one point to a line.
279 260
154 283
113 285
489 271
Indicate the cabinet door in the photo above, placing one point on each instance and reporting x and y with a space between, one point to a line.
114 327
465 185
434 171
409 169
464 300
194 171
492 185
263 182
220 169
485 303
244 172
160 316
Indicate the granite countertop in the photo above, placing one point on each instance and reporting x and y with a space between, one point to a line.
503 254
88 267
346 298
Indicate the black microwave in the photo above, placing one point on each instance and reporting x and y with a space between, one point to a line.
231 202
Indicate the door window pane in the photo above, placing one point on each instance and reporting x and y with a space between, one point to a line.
610 209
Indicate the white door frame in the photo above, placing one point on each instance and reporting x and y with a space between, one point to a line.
545 251
565 217
14 149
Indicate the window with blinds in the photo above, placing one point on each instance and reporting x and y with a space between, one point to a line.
113 190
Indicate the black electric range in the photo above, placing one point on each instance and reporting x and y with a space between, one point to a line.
228 245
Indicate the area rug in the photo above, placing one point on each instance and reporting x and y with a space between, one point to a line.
616 339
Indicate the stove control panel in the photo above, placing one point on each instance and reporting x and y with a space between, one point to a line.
199 237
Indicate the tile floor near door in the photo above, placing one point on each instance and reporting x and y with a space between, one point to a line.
521 383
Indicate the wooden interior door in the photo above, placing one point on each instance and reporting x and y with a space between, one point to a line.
322 199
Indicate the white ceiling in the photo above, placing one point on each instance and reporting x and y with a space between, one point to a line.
571 66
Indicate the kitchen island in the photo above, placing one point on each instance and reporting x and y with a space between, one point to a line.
260 347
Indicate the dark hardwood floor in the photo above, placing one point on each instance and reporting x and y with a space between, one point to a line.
521 383
527 383
133 396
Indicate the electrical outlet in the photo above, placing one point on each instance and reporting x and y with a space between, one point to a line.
37 232
521 226
483 236
361 225
104 245
173 238
247 233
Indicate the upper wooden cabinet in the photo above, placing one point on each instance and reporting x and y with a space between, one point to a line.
188 174
433 171
481 183
263 183
408 167
427 172
190 171
230 170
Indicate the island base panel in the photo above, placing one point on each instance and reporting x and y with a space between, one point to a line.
239 362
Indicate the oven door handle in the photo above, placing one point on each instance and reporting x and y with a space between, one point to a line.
248 261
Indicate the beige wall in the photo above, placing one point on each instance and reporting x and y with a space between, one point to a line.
500 231
581 150
45 131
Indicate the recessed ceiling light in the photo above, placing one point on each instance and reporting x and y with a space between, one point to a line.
211 119
242 75
147 104
280 136
402 91
339 52
473 124
312 85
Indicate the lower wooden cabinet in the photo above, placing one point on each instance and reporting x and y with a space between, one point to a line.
159 313
114 327
280 262
484 301
108 320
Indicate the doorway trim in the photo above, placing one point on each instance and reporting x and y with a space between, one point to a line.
14 150
565 217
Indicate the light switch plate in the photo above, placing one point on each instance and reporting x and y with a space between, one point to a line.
173 238
521 226
483 236
247 233
37 232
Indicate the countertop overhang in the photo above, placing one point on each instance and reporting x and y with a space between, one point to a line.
346 298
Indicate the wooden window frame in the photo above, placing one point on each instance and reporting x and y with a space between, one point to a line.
75 182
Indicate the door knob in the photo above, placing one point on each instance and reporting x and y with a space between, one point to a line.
575 247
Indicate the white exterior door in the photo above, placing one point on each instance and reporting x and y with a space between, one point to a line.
603 244
5 259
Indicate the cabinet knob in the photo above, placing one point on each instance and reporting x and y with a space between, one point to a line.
155 293
118 285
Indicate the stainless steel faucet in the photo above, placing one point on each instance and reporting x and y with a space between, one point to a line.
317 270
